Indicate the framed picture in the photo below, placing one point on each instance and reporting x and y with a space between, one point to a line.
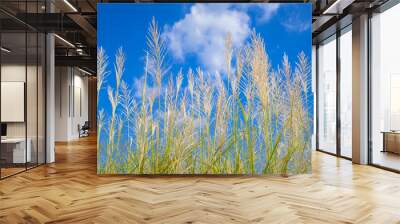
216 88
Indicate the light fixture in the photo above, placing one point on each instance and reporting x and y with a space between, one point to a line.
337 7
70 5
84 71
79 51
65 41
5 50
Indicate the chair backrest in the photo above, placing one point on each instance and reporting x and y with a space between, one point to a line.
86 125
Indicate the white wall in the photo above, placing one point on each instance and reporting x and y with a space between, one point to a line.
61 103
71 87
81 89
13 72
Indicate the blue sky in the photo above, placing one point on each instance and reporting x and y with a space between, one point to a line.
195 32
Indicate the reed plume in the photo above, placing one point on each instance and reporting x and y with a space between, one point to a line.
248 119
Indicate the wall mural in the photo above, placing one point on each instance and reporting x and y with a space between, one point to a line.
204 89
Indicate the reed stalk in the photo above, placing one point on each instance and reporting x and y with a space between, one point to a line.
256 120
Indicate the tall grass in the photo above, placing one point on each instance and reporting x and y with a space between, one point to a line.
253 119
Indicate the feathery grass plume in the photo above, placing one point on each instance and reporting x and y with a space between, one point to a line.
303 72
119 67
303 68
179 80
256 120
228 56
128 104
260 69
157 53
156 60
113 97
100 123
102 63
102 74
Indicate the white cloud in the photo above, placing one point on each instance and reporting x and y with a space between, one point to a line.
264 11
202 32
268 11
295 23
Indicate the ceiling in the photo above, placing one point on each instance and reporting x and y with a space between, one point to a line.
75 23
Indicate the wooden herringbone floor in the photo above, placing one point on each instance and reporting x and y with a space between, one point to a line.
69 191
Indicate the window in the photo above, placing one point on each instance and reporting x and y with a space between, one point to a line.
22 77
346 92
385 88
327 96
